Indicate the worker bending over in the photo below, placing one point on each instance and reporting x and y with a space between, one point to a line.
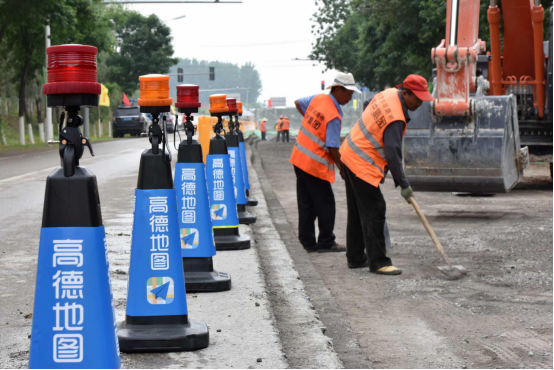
262 128
278 127
314 157
285 125
373 147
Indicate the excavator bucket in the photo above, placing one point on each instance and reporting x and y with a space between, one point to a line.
475 154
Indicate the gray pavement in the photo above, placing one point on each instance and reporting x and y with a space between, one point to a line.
498 316
244 331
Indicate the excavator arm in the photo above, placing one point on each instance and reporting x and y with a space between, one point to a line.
466 140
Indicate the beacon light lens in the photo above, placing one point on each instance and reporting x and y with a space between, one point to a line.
71 63
218 103
232 105
154 90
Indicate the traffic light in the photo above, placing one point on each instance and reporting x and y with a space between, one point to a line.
322 85
212 73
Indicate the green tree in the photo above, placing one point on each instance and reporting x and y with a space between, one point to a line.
143 47
72 21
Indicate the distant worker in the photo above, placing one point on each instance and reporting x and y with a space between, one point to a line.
262 128
278 127
285 129
373 147
314 157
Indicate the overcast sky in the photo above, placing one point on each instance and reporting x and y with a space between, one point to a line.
268 33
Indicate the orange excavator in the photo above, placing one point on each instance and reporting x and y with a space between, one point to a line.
492 108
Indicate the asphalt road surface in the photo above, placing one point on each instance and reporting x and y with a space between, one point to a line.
498 316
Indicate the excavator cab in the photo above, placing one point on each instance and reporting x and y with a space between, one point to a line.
468 139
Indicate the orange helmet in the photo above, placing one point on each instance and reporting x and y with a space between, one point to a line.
286 117
281 117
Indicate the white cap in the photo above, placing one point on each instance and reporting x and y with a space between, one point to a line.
345 80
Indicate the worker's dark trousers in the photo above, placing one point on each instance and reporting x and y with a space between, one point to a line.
285 135
365 228
315 200
263 135
278 135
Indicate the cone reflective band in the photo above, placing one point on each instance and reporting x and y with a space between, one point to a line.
154 91
188 96
218 103
239 108
232 105
71 69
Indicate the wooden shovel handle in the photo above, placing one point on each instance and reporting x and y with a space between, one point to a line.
430 230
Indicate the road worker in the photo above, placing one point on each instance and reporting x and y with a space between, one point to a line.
285 125
278 127
314 157
373 147
262 128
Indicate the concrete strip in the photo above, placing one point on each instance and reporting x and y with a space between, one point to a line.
338 328
302 333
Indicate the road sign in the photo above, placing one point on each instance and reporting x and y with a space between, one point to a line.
279 102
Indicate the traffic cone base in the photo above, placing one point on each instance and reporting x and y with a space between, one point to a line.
164 337
252 202
200 276
230 239
245 217
195 223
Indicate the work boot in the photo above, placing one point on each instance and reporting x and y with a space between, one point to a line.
335 248
358 265
388 270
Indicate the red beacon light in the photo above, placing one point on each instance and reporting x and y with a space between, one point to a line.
232 104
72 76
188 100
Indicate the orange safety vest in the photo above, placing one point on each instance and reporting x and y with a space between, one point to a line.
363 150
262 126
278 125
286 124
310 153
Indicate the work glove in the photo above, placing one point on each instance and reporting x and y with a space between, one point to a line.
407 193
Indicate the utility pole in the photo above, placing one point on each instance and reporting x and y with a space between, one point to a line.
49 127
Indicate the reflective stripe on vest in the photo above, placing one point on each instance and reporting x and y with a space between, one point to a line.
314 156
310 154
313 138
363 150
362 154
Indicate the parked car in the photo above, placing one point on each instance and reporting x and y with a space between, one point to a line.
170 122
129 120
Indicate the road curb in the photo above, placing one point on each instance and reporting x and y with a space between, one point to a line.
338 328
301 331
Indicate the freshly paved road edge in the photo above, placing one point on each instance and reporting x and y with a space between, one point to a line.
301 331
337 327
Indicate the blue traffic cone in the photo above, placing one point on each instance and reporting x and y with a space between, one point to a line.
195 223
157 315
73 316
232 139
250 201
223 206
